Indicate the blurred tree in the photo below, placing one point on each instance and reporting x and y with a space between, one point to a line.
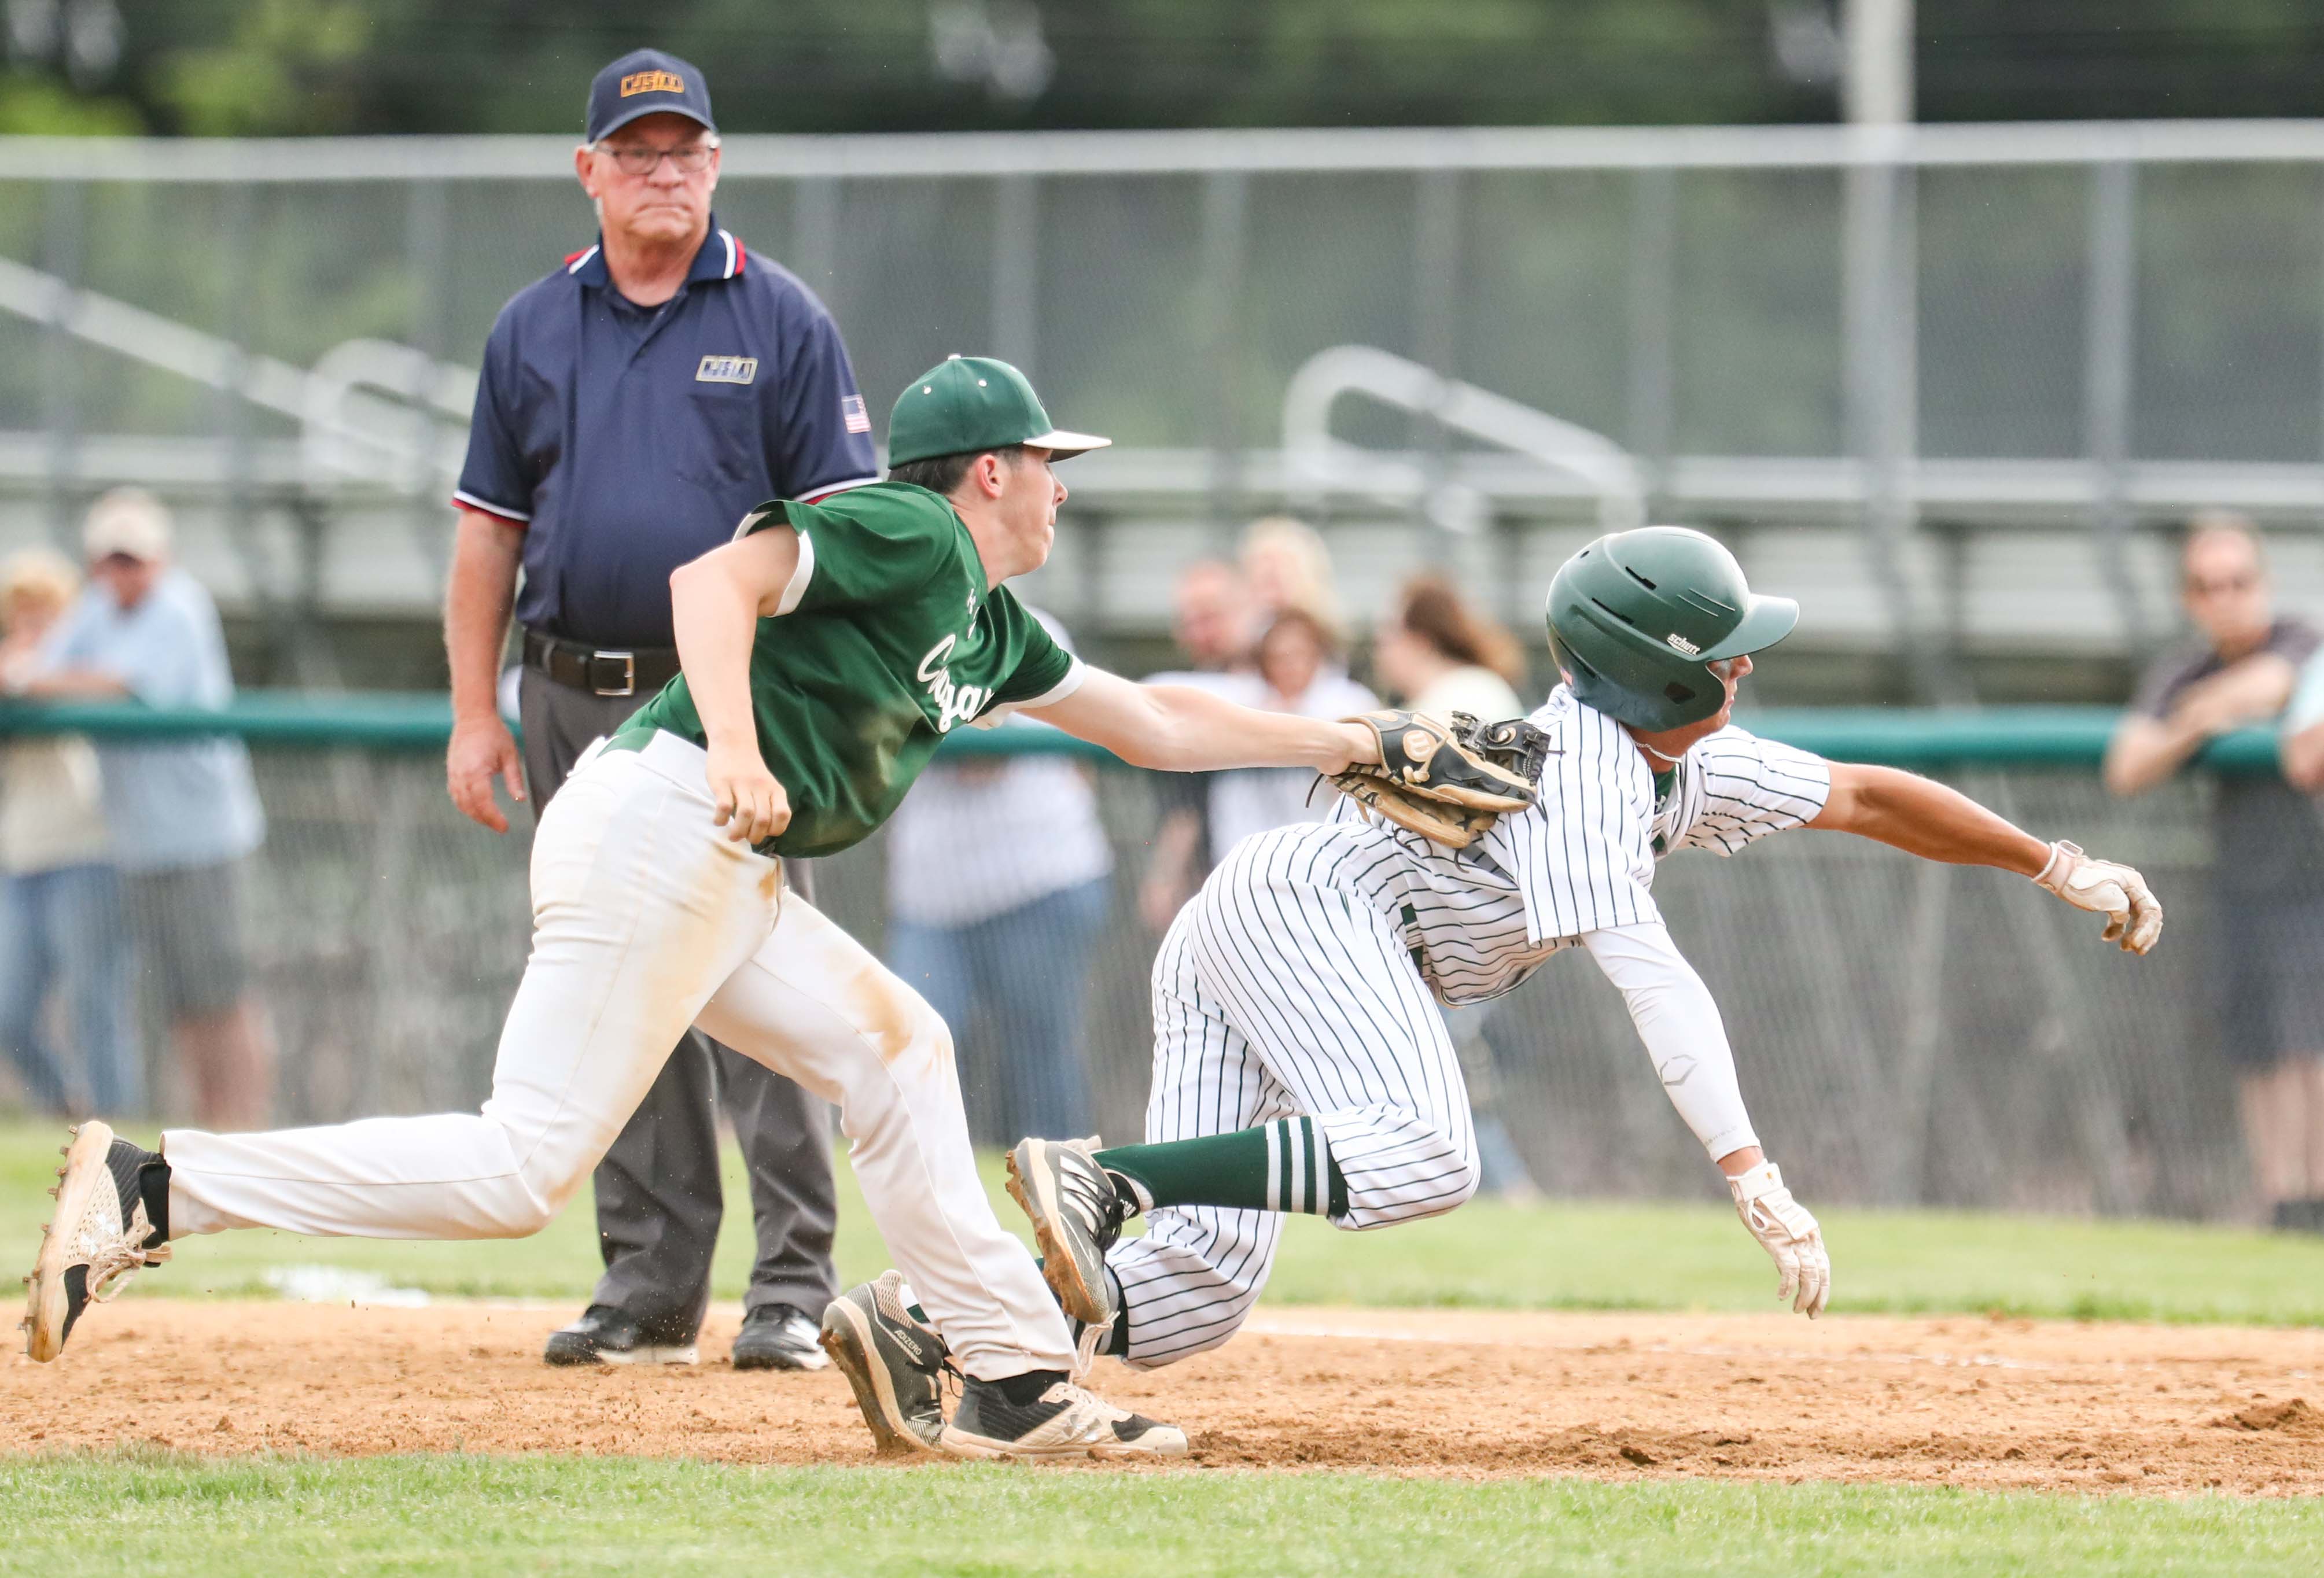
36 105
301 66
272 65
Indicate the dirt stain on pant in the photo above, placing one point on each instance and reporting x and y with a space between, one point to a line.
889 1015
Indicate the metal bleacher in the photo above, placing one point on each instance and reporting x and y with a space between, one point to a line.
1943 383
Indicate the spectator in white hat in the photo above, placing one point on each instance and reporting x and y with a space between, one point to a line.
182 815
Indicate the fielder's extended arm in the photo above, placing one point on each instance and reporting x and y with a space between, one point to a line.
1678 1019
1179 729
1926 818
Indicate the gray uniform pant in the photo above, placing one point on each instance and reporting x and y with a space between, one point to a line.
659 1201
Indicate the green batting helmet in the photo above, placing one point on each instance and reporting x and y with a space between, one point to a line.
1636 619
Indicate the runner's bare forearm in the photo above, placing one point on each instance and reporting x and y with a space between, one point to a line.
1925 818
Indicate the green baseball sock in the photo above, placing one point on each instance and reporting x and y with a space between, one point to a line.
1283 1165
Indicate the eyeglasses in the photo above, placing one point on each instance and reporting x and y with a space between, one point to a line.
637 160
2221 587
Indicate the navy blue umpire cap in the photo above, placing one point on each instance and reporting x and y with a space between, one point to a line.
646 82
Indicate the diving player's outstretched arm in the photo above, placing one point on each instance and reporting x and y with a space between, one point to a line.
716 602
1178 729
1923 818
1686 1040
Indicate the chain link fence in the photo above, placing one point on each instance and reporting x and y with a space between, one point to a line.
1933 365
1681 292
1907 1034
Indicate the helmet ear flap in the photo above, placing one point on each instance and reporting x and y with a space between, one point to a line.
1575 667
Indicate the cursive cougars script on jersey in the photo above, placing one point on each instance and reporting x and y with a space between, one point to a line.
955 703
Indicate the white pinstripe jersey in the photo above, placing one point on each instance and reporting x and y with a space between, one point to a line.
1485 918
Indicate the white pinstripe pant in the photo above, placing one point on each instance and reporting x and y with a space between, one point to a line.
1279 991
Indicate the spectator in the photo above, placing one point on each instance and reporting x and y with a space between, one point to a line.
634 404
1211 619
998 874
1443 657
1287 573
1299 671
1288 568
182 816
2268 853
61 922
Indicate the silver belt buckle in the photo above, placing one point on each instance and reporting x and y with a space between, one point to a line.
628 683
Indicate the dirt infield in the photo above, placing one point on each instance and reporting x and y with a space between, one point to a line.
1956 1401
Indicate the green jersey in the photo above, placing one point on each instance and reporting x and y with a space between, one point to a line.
887 639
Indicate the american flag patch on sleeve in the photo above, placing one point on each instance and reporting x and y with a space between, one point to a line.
850 410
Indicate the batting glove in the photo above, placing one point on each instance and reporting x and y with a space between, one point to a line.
1788 1234
2134 914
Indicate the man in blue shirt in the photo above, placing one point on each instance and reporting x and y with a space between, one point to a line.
634 405
181 816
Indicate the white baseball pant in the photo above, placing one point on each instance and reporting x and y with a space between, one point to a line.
648 918
1279 991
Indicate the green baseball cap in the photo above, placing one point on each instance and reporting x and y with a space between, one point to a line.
968 403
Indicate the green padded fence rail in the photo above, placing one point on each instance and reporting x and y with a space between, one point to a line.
2059 737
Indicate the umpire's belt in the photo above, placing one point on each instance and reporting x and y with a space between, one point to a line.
601 671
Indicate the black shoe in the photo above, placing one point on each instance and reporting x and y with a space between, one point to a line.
1042 1415
775 1336
606 1335
111 1220
2300 1215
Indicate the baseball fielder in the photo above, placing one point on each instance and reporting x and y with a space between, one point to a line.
1300 1065
826 652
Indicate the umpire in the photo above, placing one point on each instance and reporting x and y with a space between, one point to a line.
634 405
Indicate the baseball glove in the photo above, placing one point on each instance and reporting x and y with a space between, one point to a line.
1446 782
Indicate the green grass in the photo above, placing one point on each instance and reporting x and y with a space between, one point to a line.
1558 1255
109 1513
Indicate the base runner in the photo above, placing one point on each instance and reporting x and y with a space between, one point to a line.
1300 1061
825 652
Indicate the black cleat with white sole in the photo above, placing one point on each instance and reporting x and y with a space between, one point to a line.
1042 1417
112 1220
894 1364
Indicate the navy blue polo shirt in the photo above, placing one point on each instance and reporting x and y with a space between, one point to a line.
627 440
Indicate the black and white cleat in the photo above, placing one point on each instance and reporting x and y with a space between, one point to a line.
111 1220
